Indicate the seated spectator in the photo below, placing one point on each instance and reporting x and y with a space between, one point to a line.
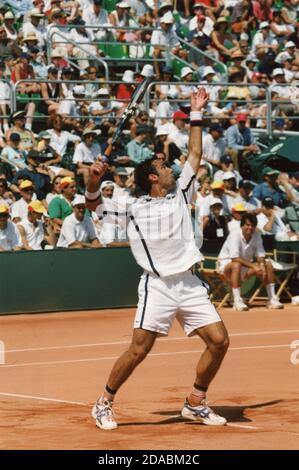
178 131
31 229
292 210
51 158
208 75
59 137
86 153
230 187
104 109
18 120
166 109
221 37
163 39
56 189
240 140
96 15
270 188
226 165
214 146
264 41
236 262
37 173
126 89
270 223
215 225
238 210
6 196
138 149
186 89
9 235
245 197
217 188
78 230
61 206
162 91
12 152
50 93
19 209
172 154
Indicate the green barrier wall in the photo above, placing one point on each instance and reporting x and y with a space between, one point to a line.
58 280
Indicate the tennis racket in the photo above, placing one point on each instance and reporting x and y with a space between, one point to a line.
129 112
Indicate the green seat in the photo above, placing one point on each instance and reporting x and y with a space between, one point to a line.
109 5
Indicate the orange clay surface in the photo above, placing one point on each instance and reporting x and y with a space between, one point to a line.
56 366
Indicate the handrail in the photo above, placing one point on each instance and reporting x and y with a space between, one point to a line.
70 41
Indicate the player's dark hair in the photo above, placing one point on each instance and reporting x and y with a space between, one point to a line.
142 172
247 217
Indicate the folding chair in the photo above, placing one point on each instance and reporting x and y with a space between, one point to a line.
220 292
283 272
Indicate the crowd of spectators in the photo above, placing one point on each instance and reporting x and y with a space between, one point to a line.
68 112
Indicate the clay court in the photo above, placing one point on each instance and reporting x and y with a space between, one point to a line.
56 365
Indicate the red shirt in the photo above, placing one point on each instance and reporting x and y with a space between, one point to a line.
124 92
262 14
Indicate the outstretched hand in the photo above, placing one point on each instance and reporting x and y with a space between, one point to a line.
97 171
199 99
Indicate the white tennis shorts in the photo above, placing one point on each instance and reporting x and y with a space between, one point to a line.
183 296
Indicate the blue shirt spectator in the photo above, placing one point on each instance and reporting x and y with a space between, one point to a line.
270 188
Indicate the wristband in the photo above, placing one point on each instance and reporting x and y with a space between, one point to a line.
92 196
196 116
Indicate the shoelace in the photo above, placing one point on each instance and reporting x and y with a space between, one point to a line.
104 409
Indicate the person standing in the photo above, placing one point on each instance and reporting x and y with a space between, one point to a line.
162 241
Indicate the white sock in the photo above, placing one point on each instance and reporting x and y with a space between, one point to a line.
237 294
270 291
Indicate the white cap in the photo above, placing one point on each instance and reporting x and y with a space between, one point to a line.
123 5
228 175
264 24
277 71
78 200
54 54
106 184
172 93
289 44
251 58
9 15
162 130
36 12
147 70
215 200
185 71
283 57
244 37
167 18
103 92
207 71
128 76
79 90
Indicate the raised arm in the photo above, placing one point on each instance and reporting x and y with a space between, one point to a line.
92 193
199 99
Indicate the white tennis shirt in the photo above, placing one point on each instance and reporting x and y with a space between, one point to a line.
160 229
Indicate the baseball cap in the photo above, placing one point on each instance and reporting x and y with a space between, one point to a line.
208 71
269 171
121 171
226 159
167 18
103 92
277 71
218 184
245 184
241 117
26 184
123 5
162 130
215 200
78 200
180 115
15 137
216 126
289 44
239 207
185 71
37 206
106 184
88 131
78 90
172 93
36 12
268 201
228 175
9 16
264 24
66 181
44 135
4 209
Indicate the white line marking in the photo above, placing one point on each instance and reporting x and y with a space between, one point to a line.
70 361
15 395
112 343
242 426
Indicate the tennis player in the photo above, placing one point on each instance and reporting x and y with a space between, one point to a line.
161 236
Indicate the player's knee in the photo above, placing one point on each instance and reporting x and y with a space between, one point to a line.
139 352
219 343
235 266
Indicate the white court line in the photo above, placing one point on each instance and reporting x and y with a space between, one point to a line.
55 400
70 361
242 426
87 345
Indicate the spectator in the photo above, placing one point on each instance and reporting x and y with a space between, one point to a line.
19 208
126 89
250 203
18 125
214 146
270 188
270 223
236 262
9 235
31 229
163 39
61 206
215 225
59 137
238 210
138 149
6 196
56 189
217 188
87 152
178 131
264 41
240 140
77 230
226 165
12 152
